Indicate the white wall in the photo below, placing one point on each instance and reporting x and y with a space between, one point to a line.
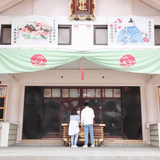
105 8
51 7
24 8
73 77
142 9
113 8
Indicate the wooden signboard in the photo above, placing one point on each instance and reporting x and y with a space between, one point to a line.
82 9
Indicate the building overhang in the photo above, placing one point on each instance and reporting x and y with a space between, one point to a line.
6 4
154 3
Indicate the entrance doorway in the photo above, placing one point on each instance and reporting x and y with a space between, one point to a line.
46 108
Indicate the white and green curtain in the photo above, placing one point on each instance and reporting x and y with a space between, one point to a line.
31 60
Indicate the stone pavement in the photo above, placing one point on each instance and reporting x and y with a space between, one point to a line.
67 153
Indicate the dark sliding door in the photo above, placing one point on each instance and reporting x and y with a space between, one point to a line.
33 112
132 126
46 108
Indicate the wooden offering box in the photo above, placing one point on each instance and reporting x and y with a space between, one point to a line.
98 134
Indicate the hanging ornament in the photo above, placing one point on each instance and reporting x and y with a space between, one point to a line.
82 74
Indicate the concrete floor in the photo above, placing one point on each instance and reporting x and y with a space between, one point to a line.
67 153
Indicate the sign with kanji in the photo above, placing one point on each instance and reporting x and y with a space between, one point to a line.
131 30
34 30
82 9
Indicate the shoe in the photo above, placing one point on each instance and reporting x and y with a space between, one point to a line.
85 146
92 146
75 146
72 146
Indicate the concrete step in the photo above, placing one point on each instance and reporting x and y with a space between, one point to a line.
125 143
59 143
38 144
68 153
44 143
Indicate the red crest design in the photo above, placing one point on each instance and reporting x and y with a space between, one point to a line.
127 61
38 60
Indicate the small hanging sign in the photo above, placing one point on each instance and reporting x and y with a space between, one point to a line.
82 9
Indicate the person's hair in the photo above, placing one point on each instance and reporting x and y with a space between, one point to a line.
73 112
86 104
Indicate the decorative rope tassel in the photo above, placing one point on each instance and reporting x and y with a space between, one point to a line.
82 72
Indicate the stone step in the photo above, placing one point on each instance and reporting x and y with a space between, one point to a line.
106 143
68 153
124 143
41 141
55 143
39 144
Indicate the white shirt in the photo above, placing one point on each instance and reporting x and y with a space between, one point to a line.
87 116
73 125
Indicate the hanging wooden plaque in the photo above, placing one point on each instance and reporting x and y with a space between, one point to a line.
82 9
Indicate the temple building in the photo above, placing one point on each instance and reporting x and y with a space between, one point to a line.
56 55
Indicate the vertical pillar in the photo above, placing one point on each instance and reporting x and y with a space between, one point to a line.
82 35
21 110
89 39
4 134
143 114
158 102
150 98
14 103
75 35
150 104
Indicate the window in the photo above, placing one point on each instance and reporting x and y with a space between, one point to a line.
64 34
2 102
100 35
5 34
157 35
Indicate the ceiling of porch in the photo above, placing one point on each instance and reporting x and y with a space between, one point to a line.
77 65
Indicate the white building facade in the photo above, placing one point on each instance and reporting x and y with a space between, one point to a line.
27 90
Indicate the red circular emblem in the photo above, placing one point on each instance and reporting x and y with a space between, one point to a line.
127 61
145 39
38 60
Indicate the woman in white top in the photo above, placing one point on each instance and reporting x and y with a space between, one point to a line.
74 127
